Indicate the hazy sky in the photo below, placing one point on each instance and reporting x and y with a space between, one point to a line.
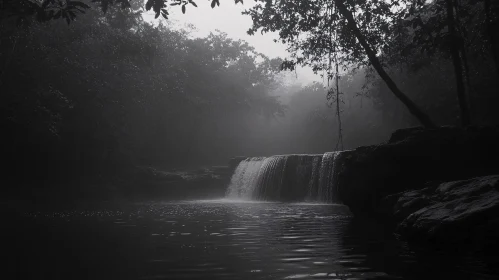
227 18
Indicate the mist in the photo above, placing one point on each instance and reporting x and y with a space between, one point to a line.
114 90
155 139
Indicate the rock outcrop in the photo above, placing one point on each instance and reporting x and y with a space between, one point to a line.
412 158
451 212
433 184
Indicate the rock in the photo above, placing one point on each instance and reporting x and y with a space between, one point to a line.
150 173
412 157
204 177
145 183
234 162
221 170
402 134
396 207
452 212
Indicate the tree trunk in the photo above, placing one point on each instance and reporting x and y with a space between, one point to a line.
458 66
494 44
413 109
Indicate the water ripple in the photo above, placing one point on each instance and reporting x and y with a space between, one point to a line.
230 240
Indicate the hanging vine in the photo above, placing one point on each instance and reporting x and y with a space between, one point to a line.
333 94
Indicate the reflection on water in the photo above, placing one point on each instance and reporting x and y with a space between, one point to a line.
221 240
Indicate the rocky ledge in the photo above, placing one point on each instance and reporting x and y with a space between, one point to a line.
437 185
459 211
153 183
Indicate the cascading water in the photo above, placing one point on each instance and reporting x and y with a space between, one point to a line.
314 179
325 188
244 179
270 182
285 177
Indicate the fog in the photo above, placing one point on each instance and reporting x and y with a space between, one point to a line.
120 89
150 139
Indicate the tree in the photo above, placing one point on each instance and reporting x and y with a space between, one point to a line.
456 49
458 29
358 38
116 91
283 15
492 24
422 117
423 57
437 26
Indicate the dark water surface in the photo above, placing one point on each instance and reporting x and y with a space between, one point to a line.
221 240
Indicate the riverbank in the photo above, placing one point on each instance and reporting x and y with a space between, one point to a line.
432 185
138 183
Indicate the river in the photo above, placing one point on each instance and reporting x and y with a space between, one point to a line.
221 239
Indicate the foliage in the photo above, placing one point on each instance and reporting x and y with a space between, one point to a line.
306 27
424 44
111 90
45 10
116 91
428 27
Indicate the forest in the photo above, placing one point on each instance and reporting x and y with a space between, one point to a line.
91 89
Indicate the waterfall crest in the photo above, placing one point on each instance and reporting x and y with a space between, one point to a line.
285 178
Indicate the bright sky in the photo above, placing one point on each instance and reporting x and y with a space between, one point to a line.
227 18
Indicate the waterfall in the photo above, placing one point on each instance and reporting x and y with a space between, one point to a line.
270 182
326 178
285 178
314 179
244 179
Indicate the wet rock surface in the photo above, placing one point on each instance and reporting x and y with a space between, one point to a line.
458 213
454 211
412 158
434 184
